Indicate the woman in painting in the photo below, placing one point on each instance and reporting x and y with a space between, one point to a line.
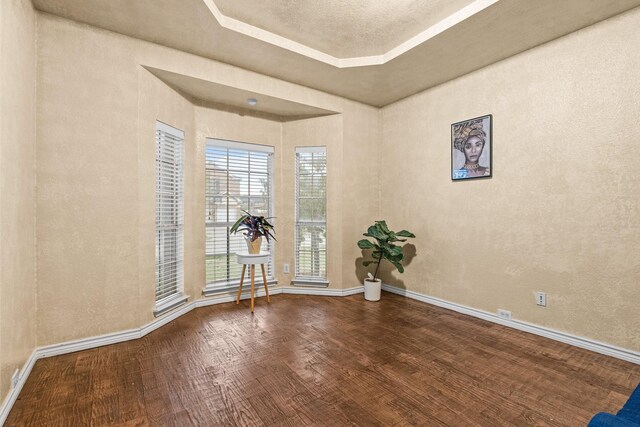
470 138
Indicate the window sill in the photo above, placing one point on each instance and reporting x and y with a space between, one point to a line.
169 304
210 290
310 283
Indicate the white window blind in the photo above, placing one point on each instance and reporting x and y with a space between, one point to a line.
311 214
239 176
169 212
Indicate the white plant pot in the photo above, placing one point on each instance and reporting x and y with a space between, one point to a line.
372 289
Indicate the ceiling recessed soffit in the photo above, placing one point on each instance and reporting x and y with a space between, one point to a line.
263 35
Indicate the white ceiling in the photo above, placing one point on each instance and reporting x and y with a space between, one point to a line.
350 47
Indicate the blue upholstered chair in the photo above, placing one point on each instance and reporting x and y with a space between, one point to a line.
628 416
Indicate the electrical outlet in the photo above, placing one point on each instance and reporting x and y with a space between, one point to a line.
286 268
15 378
505 314
541 299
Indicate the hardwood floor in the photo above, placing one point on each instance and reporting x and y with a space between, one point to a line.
326 361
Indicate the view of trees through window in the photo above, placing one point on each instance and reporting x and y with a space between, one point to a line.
235 180
311 213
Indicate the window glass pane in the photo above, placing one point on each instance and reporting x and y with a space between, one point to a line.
238 179
216 253
238 160
216 181
259 185
169 211
311 251
311 214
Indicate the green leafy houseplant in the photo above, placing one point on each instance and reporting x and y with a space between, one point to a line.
253 226
383 246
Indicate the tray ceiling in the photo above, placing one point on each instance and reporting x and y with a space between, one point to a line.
313 43
343 28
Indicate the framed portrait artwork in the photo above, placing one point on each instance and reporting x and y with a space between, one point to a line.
471 148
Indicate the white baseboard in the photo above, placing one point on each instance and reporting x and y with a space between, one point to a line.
221 298
353 291
164 319
132 334
15 392
577 341
225 297
88 343
114 338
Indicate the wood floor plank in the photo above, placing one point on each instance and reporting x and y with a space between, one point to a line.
325 361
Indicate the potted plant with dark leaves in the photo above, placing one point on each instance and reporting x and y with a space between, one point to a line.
255 228
384 247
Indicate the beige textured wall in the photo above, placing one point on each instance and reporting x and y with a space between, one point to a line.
232 126
17 187
97 107
352 139
87 192
324 131
363 168
159 102
561 213
565 226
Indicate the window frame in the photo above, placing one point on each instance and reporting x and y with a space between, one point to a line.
310 281
216 287
177 297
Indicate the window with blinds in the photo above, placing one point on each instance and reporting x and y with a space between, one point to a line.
238 176
169 214
311 215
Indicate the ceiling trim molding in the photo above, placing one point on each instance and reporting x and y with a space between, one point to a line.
363 61
267 36
448 22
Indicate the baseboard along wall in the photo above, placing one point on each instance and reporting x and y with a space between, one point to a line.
225 297
577 341
132 334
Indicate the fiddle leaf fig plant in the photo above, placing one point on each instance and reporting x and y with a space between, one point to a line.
384 246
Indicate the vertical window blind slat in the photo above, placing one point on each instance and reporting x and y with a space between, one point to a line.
311 213
238 176
169 211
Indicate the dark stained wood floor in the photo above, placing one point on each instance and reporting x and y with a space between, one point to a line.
326 361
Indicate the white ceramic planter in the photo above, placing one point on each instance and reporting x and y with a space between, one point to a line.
372 289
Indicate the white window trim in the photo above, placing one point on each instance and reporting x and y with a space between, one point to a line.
169 303
179 298
310 283
303 281
316 149
215 288
170 130
233 285
236 145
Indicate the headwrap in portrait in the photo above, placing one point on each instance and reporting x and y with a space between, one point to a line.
465 130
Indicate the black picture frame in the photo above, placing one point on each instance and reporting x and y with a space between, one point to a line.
465 137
